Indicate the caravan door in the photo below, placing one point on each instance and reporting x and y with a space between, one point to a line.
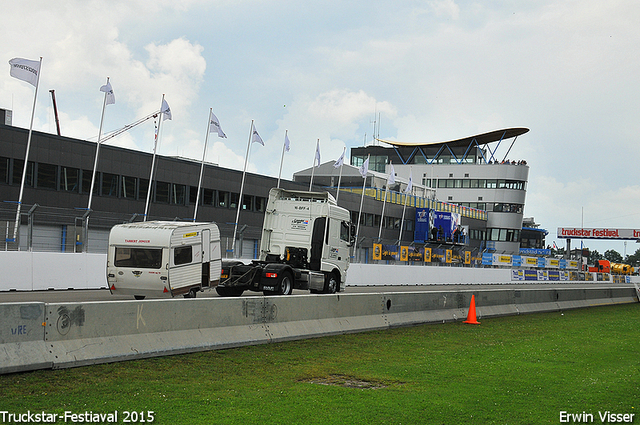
206 257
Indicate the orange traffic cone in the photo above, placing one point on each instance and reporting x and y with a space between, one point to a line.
471 317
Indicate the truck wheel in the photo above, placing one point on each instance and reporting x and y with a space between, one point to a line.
331 283
229 292
286 284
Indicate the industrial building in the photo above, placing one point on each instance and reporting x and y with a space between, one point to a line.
55 216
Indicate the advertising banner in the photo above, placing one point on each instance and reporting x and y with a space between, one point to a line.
377 251
404 253
390 252
416 254
431 225
591 233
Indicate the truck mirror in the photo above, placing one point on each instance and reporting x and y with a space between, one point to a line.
352 234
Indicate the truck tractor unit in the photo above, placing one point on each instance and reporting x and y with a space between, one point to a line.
306 238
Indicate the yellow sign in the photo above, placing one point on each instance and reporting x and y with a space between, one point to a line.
531 261
427 255
188 235
404 253
377 251
467 257
449 254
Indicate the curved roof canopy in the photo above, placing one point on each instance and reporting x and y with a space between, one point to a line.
481 139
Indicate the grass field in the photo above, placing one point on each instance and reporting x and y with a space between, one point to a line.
510 370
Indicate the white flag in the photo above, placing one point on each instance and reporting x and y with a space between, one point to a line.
410 184
392 175
111 98
255 137
25 70
317 158
166 111
286 143
364 168
340 161
214 126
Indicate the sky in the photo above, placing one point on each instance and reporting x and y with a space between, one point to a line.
424 71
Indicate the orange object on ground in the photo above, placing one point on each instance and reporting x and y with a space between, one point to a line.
471 317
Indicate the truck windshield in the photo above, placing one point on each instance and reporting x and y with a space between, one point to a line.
143 258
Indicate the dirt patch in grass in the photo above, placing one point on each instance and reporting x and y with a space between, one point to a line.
347 382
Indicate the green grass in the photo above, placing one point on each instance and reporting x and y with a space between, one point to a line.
509 370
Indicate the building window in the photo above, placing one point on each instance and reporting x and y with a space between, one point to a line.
128 189
162 192
109 184
223 199
233 200
193 194
247 203
87 175
143 188
208 196
69 179
18 165
47 176
261 204
178 194
4 169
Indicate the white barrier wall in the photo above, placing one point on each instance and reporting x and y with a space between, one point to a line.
34 271
382 274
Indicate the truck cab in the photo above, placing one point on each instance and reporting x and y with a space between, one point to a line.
306 238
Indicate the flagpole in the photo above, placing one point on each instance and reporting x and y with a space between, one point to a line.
204 153
284 146
340 176
244 172
355 244
386 190
405 204
95 165
313 167
153 162
26 157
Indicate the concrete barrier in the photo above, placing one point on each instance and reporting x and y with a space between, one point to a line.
59 335
22 337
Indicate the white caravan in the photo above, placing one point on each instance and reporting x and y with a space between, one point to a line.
163 258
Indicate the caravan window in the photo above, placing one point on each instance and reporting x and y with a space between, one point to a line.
143 258
182 255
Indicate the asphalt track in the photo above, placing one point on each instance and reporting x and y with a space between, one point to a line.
86 295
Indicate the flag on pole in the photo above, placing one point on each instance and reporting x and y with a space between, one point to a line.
111 98
287 144
25 70
392 175
340 161
214 126
166 111
364 168
410 183
317 158
255 137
